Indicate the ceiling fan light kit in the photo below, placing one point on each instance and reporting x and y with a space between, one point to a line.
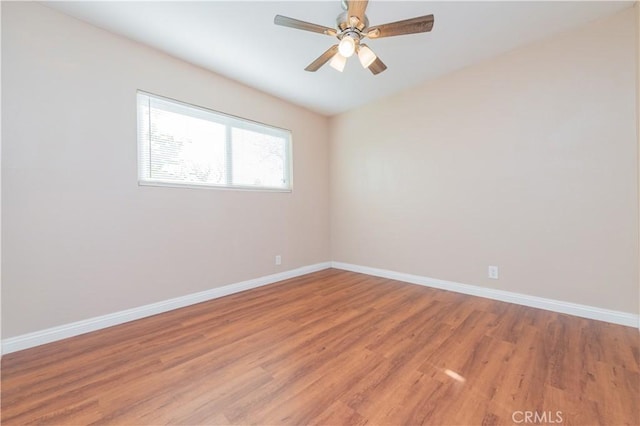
366 56
338 62
347 45
352 27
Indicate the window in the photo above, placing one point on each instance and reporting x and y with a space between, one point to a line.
185 145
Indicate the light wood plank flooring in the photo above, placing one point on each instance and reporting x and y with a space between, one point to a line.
334 348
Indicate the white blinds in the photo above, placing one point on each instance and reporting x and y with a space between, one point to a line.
181 144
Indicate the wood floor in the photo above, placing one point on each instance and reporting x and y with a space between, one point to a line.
334 348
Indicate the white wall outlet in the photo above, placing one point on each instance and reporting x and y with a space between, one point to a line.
493 272
278 260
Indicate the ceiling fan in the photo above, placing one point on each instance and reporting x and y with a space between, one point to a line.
352 28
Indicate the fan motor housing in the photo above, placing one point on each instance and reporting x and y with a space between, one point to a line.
342 22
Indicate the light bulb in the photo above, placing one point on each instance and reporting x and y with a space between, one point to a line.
366 55
347 46
338 62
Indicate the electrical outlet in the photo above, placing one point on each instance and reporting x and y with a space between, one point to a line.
493 272
278 260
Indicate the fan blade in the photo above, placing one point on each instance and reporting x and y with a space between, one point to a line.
357 9
322 59
377 66
302 25
421 24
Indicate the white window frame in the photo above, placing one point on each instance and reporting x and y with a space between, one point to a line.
229 121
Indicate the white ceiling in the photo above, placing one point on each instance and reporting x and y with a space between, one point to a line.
238 39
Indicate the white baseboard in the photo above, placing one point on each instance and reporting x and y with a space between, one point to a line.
584 311
53 334
25 341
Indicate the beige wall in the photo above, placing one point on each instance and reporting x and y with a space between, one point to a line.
0 182
80 237
637 8
527 161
